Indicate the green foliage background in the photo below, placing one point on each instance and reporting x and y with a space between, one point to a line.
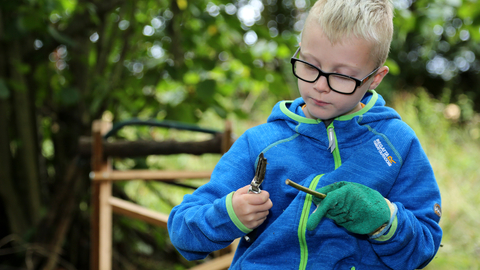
65 63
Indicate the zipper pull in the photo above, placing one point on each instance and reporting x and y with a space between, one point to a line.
331 140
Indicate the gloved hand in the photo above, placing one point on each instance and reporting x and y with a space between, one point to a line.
356 207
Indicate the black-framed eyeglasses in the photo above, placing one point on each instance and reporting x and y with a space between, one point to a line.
339 83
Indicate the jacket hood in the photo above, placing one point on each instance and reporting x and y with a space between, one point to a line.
291 112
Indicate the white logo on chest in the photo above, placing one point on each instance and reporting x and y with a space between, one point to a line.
383 152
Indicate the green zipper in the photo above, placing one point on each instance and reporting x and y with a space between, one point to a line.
333 145
302 227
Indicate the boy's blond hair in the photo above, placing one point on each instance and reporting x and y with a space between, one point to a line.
370 20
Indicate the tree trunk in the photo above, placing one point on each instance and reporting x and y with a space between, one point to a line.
16 214
61 213
25 127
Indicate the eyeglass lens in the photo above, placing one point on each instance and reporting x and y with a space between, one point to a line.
338 83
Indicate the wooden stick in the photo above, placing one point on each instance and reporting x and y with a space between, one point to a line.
304 189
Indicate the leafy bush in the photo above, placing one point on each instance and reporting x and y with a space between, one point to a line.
454 152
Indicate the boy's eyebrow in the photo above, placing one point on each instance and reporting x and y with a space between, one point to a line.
301 54
355 70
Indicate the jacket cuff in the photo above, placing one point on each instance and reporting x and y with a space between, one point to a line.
233 216
390 229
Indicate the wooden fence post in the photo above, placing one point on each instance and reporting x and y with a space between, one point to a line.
101 219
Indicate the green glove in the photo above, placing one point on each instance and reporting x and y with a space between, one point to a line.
356 207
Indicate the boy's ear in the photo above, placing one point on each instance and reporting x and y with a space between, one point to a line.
377 79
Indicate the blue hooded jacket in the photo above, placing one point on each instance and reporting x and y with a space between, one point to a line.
373 147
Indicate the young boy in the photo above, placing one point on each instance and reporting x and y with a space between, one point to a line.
382 204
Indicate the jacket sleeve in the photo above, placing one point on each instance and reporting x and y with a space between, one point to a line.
415 235
205 221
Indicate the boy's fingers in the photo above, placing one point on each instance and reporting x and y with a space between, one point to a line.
319 213
331 187
259 198
315 218
243 190
254 224
264 206
261 215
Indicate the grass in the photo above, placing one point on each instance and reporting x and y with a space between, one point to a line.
453 150
454 156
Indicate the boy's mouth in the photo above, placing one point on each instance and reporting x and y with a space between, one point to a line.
320 102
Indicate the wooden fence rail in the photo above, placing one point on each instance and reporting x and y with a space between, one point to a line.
104 204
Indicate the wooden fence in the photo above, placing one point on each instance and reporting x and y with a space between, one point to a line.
104 204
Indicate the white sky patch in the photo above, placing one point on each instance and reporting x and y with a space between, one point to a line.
402 4
148 31
123 24
300 3
94 37
37 44
213 9
157 52
250 13
157 23
250 37
230 9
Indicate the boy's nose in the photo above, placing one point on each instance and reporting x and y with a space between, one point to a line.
321 85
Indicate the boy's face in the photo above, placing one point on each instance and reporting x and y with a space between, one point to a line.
351 57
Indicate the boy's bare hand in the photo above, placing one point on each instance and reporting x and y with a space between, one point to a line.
250 208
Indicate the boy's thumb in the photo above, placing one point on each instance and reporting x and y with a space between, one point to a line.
318 214
314 219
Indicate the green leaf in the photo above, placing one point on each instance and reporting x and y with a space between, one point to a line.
4 92
69 96
206 90
220 111
393 67
60 37
191 77
283 51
